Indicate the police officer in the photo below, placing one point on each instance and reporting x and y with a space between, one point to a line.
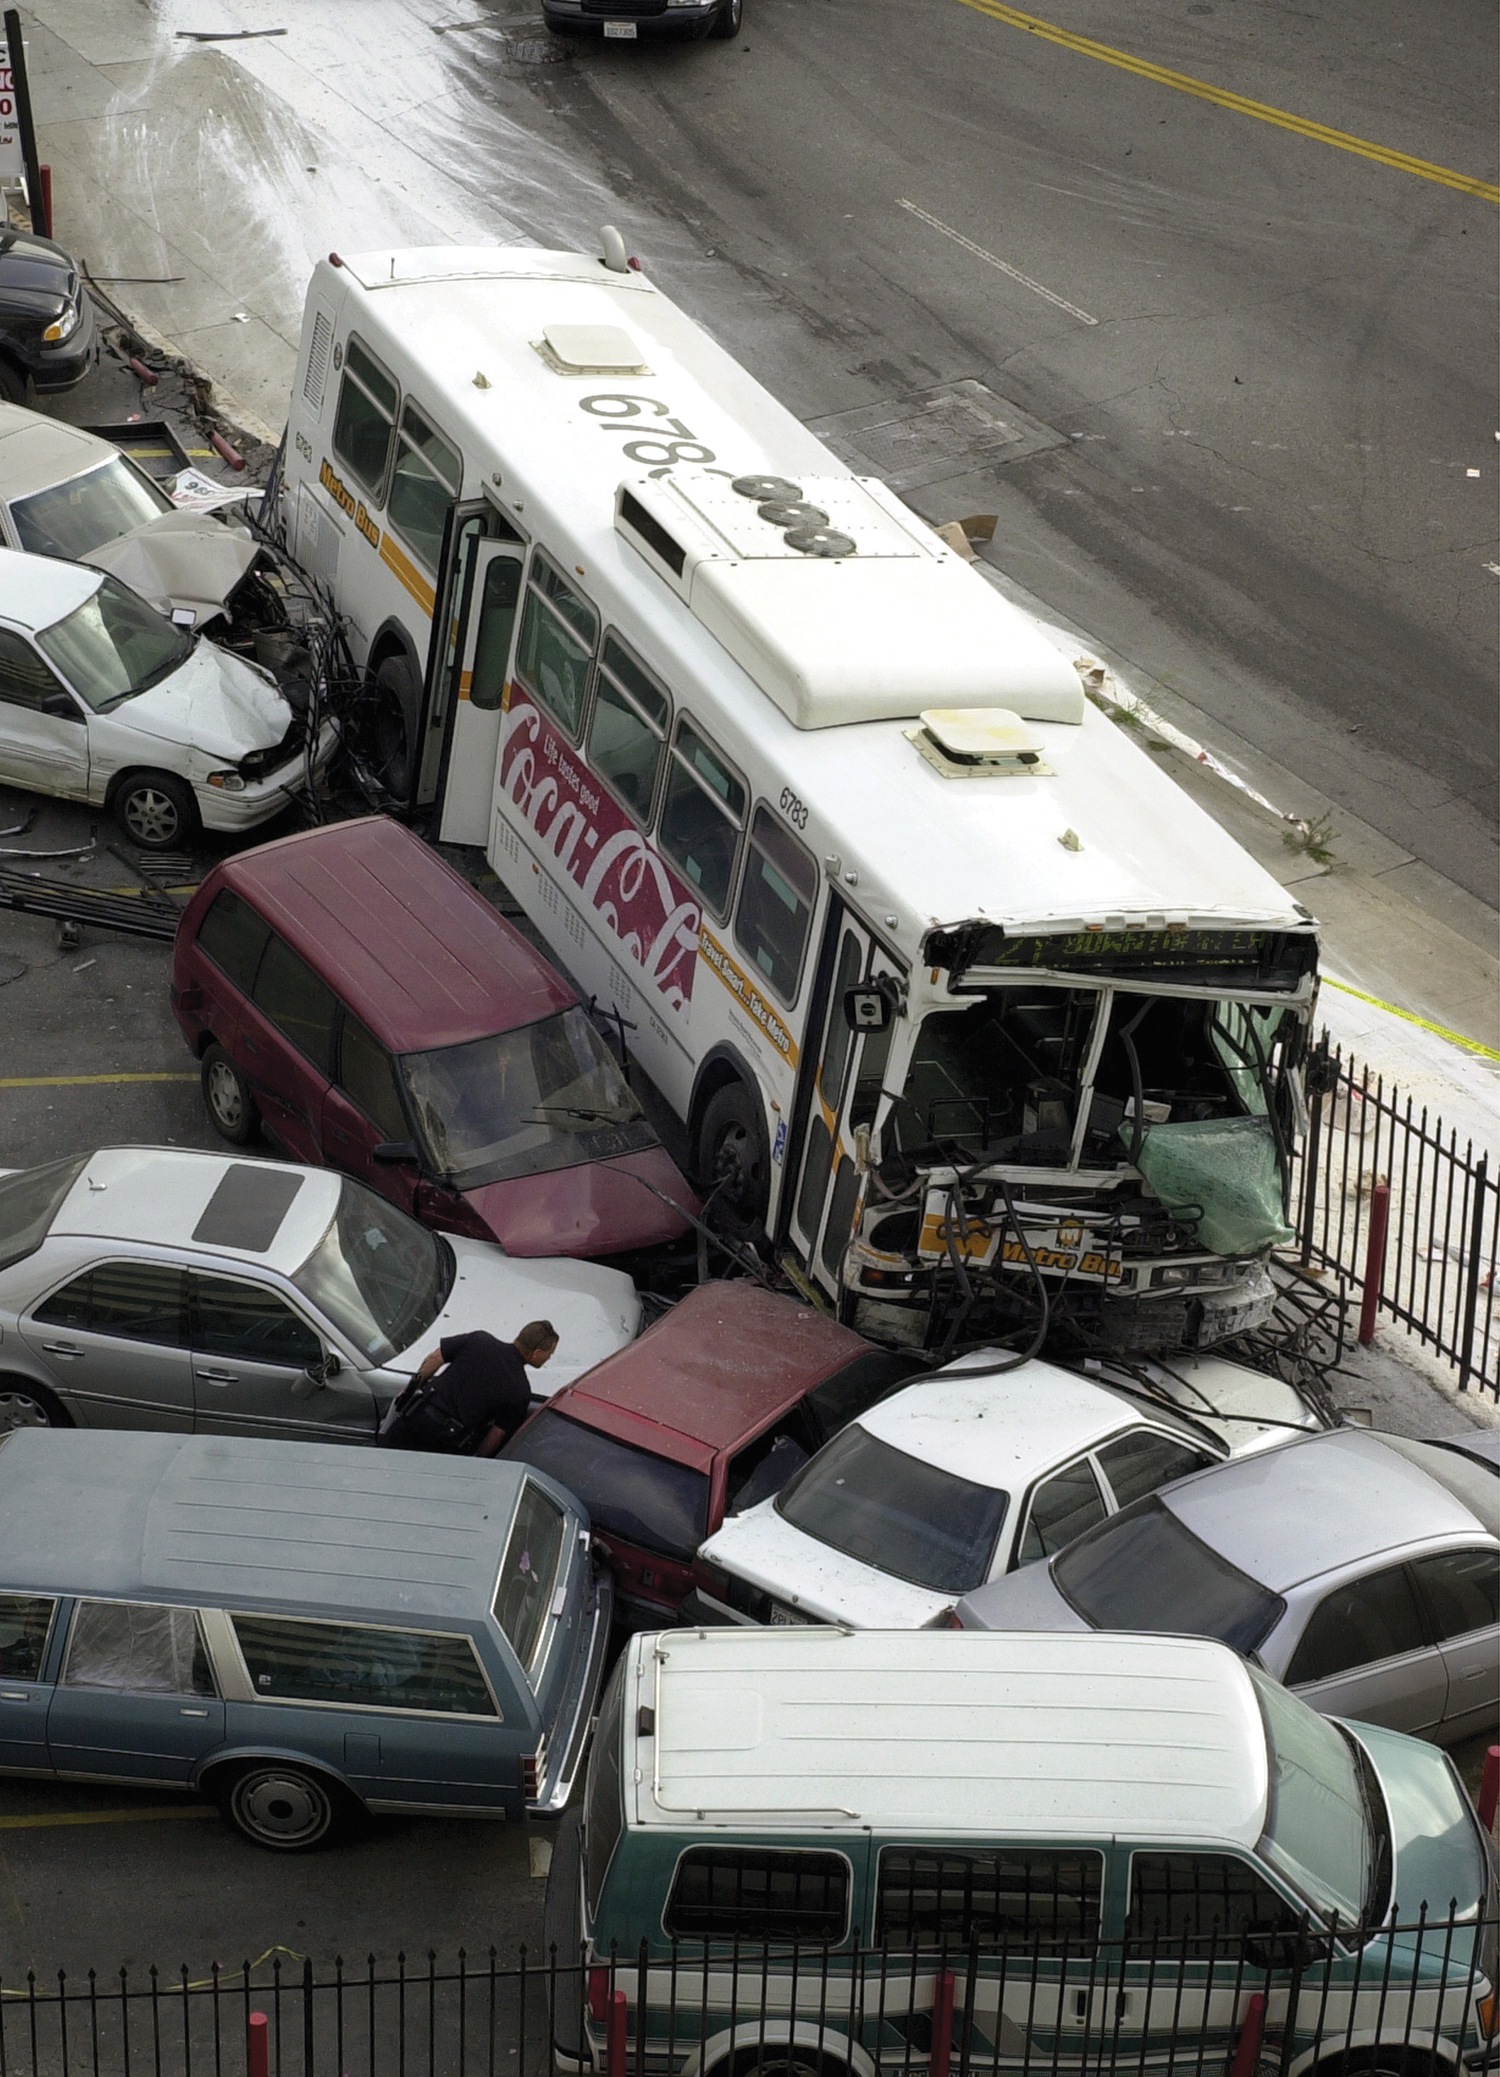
480 1397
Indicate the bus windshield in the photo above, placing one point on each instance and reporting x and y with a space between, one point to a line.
545 1096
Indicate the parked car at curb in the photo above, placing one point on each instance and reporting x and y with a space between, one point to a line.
708 1412
48 338
153 1287
103 699
633 20
67 492
1361 1569
346 989
1108 1849
296 1633
954 1479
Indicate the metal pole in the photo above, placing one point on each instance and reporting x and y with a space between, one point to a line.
1471 1281
943 1991
258 2045
37 200
1380 1212
1310 1172
1247 2048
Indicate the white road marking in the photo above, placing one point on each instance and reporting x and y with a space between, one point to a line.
992 260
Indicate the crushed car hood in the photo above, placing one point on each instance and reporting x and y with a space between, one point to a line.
180 559
595 1208
813 1580
216 703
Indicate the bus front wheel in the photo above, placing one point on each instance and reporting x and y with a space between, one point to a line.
731 1158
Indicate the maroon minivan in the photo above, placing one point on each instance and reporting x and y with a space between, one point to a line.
348 991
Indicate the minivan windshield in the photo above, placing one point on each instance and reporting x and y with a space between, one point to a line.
1143 1570
1317 1832
376 1274
547 1095
114 645
72 519
895 1513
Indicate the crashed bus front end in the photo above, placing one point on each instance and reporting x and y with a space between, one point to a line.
1084 1138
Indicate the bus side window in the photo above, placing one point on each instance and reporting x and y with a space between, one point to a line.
423 486
558 633
366 421
628 729
701 817
776 903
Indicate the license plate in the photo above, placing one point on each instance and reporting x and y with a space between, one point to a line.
626 31
784 1618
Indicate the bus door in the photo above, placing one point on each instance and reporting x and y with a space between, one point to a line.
845 1094
488 592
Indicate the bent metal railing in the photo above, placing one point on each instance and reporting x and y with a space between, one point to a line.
1412 2000
1435 1273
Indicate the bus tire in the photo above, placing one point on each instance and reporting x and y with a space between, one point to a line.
731 1152
394 698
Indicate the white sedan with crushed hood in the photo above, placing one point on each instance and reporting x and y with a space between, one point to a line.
103 699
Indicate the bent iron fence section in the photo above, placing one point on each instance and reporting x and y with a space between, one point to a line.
1248 2007
1436 1271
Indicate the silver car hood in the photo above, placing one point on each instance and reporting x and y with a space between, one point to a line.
215 703
179 559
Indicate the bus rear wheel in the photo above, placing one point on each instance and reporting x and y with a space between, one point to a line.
731 1158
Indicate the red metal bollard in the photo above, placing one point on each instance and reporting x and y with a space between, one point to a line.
614 2040
1247 2048
46 173
142 373
258 2045
1380 1213
942 2024
231 455
1489 1788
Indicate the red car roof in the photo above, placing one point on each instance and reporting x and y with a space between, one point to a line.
721 1366
410 946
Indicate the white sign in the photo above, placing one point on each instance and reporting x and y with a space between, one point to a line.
11 169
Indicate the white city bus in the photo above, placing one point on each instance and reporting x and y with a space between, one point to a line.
934 962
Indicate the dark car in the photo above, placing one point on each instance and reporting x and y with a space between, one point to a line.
47 336
632 19
708 1412
346 989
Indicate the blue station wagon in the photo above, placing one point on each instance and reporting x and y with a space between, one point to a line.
295 1630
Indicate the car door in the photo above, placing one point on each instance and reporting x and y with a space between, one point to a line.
362 1110
285 1047
25 1626
114 1340
250 1348
44 737
1366 1653
1461 1592
136 1700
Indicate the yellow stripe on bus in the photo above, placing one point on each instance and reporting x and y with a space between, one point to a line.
747 995
396 560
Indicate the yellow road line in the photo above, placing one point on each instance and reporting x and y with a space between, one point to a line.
146 1812
1184 83
1455 1038
72 1081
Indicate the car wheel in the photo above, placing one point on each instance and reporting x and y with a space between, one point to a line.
156 811
227 1098
727 21
732 1156
288 1808
16 387
25 1405
784 2059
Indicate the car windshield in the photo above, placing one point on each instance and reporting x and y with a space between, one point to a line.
74 518
1317 1832
114 645
645 1499
29 1202
895 1513
376 1274
547 1095
1144 1571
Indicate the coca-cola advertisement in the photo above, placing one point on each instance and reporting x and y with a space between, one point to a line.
598 848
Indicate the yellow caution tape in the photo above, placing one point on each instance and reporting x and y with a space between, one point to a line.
1455 1038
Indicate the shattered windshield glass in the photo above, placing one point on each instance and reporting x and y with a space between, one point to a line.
549 1095
998 1076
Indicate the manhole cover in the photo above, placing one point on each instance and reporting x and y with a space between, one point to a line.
936 433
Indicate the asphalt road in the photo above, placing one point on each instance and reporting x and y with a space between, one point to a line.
1275 489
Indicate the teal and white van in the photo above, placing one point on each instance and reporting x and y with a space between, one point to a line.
836 1854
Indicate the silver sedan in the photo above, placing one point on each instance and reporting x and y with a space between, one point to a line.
1362 1569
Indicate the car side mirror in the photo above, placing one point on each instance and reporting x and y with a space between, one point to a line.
316 1377
60 707
392 1152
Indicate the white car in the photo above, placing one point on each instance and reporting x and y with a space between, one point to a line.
67 492
154 1287
103 699
959 1479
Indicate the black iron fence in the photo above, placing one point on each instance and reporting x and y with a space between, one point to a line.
1395 1201
1417 1998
